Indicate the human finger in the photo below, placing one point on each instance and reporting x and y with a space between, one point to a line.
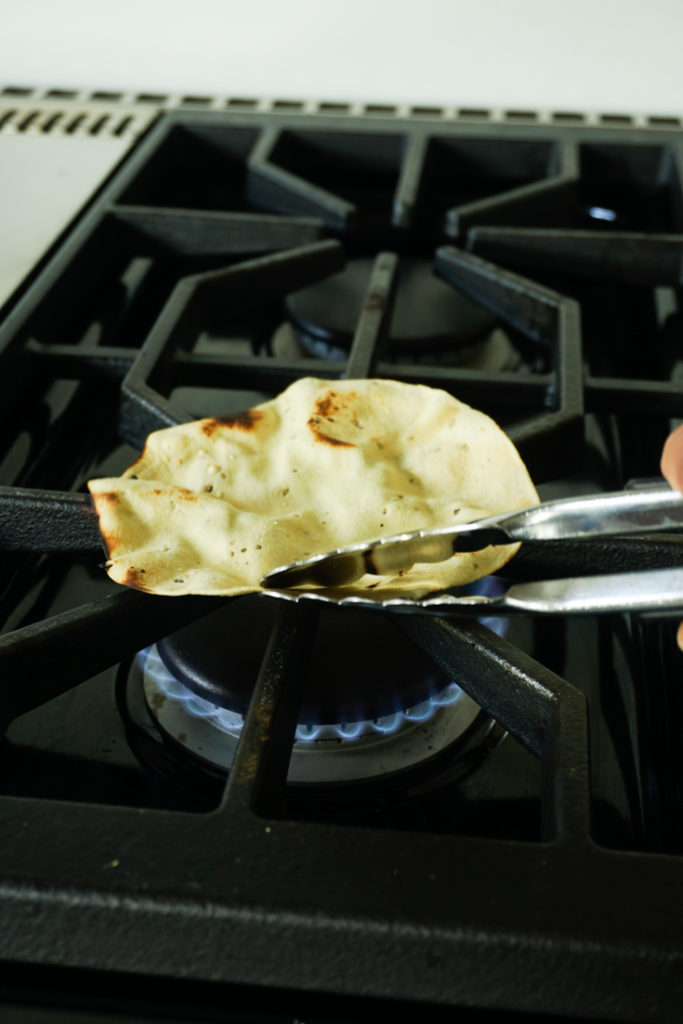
671 463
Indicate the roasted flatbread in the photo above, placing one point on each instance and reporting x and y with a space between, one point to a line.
213 505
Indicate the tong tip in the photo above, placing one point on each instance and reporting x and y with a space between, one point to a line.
384 556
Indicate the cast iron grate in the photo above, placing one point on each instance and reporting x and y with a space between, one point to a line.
502 924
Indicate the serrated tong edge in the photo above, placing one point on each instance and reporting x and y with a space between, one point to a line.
657 591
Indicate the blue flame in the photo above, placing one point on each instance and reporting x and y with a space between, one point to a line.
602 213
231 721
489 586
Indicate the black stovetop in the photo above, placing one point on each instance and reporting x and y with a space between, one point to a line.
525 861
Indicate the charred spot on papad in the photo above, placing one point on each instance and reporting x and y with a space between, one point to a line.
106 498
135 578
324 438
332 403
245 421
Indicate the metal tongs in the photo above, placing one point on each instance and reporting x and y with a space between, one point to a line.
584 518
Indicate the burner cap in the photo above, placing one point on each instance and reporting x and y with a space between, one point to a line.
361 667
429 314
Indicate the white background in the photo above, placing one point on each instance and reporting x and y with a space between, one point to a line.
603 56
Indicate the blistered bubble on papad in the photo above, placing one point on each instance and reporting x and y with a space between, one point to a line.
211 506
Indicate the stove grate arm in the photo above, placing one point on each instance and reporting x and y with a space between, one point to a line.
36 520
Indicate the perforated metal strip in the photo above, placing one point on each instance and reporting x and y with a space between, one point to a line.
23 108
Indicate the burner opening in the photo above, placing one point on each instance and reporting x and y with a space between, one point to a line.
440 768
362 667
155 669
432 322
335 754
428 313
373 703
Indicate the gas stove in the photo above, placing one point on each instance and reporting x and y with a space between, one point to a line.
212 803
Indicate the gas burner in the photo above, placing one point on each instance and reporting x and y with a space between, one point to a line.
430 317
356 722
493 353
340 753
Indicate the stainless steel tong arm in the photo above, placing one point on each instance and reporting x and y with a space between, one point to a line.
659 591
583 518
600 515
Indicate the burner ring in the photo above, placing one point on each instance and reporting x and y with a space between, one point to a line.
369 751
429 315
361 668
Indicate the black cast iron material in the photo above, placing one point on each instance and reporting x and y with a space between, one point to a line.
133 879
32 520
257 282
259 897
62 651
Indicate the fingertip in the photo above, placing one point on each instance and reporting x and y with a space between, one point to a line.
671 463
679 636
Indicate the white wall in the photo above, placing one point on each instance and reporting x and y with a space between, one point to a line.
603 55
